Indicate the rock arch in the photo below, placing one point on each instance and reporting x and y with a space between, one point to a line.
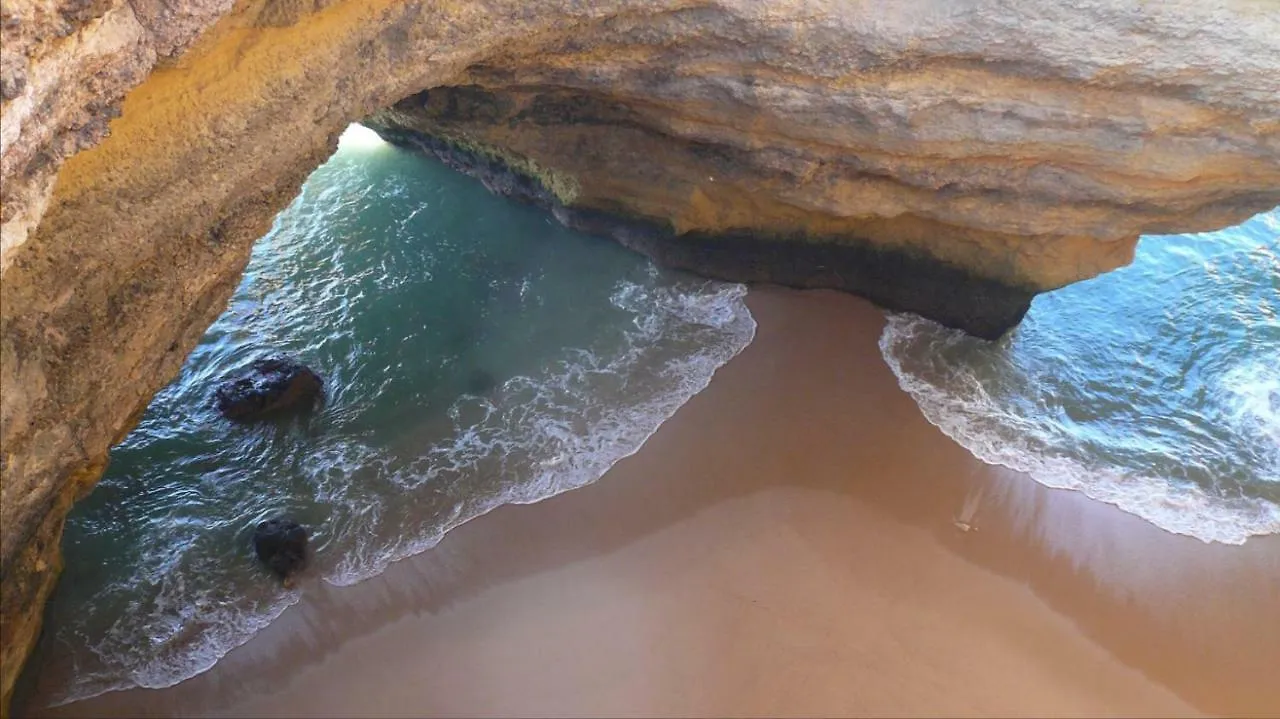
1024 145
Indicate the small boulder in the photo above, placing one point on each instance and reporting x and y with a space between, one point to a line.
268 385
281 544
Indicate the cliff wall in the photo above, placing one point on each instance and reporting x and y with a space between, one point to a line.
1006 146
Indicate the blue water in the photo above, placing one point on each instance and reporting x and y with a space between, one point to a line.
1155 387
475 352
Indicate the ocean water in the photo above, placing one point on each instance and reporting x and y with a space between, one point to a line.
475 353
1155 388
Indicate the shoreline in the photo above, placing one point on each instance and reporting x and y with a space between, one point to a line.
786 543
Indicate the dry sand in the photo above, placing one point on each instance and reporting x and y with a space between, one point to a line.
785 545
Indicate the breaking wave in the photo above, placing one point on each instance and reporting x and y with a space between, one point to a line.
1155 388
474 354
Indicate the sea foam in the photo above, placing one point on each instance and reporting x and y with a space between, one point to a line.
551 433
1155 387
965 410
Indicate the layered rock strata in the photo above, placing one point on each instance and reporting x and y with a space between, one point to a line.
610 175
1017 146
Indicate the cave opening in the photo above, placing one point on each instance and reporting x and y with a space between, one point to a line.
474 353
699 193
949 163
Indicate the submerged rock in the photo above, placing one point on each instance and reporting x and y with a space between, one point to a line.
267 385
281 544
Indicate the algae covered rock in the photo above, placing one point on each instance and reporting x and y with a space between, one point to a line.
269 385
281 544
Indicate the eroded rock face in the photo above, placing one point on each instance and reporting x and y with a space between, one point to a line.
64 67
781 247
1024 144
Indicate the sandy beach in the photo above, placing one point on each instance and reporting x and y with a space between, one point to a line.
796 541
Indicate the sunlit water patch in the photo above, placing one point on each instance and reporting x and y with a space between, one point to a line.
1155 387
475 354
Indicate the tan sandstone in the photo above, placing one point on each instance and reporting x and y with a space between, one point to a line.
1024 143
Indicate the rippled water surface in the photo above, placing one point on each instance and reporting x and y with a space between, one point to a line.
1155 387
475 354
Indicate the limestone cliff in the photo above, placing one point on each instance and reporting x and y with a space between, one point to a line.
1001 145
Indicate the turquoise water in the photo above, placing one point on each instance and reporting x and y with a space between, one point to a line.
475 353
1155 387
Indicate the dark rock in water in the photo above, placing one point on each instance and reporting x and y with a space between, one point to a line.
267 385
281 544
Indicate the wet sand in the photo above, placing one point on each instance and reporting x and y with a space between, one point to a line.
787 544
